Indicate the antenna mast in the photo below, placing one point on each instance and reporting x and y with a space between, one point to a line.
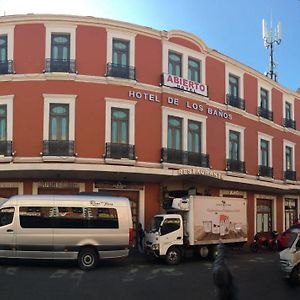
271 37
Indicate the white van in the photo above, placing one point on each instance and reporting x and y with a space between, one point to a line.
86 228
290 258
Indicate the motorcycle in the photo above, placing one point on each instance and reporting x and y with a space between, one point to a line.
266 241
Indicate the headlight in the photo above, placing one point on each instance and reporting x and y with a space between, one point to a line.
155 247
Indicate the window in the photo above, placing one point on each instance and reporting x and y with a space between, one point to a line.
59 122
60 47
120 55
288 158
264 153
194 70
175 64
36 217
3 122
170 225
3 48
264 99
233 86
194 136
174 133
234 145
6 216
119 125
288 110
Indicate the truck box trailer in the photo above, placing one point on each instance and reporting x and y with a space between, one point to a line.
196 225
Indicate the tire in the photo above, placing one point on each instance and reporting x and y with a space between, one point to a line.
173 256
254 247
295 275
87 259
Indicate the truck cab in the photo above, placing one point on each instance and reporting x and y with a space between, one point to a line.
165 237
290 259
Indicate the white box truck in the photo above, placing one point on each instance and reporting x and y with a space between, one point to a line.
196 225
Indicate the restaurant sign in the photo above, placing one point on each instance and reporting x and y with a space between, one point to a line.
199 171
184 84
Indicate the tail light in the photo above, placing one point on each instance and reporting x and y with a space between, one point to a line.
130 237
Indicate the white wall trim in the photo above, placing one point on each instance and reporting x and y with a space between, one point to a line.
290 100
8 101
9 31
268 88
18 185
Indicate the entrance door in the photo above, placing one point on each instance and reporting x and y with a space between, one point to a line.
264 215
290 211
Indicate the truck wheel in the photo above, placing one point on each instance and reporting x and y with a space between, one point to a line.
295 275
173 256
87 259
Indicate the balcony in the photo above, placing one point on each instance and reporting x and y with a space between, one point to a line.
265 113
118 151
289 123
235 166
60 65
58 148
120 71
184 157
235 101
6 148
265 171
7 67
290 175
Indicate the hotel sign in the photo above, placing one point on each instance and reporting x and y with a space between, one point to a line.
184 84
200 171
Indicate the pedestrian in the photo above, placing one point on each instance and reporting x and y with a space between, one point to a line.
223 278
140 235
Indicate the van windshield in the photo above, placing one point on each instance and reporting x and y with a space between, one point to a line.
155 223
293 236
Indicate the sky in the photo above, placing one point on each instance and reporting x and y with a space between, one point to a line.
232 27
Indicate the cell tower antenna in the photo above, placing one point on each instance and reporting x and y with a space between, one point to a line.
271 37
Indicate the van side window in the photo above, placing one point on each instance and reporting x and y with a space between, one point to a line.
103 218
70 217
170 225
6 216
36 217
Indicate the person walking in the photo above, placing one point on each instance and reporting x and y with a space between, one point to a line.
141 236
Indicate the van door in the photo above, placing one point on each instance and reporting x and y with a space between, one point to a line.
7 232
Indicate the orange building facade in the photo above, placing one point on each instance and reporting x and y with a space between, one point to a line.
94 105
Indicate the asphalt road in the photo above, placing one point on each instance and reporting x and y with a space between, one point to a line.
256 275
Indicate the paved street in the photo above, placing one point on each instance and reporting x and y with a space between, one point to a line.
257 276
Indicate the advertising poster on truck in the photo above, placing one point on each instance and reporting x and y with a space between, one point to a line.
217 218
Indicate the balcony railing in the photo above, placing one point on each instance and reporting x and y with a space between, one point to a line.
265 171
235 165
289 123
121 71
290 175
265 113
184 157
6 148
118 151
235 101
7 67
60 65
58 148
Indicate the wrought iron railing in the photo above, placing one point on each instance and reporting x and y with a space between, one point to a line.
58 148
265 113
121 71
118 151
289 123
60 65
265 171
235 101
7 67
290 175
235 165
6 148
184 157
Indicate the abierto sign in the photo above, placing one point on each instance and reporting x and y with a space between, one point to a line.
184 84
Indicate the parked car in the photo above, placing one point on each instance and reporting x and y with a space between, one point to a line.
282 239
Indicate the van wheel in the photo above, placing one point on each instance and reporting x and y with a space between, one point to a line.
173 256
295 275
87 259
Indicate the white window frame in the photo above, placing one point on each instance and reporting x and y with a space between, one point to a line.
9 31
60 28
8 101
292 145
127 36
268 88
185 116
269 138
186 54
292 102
232 70
241 130
59 99
124 104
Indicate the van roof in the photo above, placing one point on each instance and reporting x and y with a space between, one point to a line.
67 199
